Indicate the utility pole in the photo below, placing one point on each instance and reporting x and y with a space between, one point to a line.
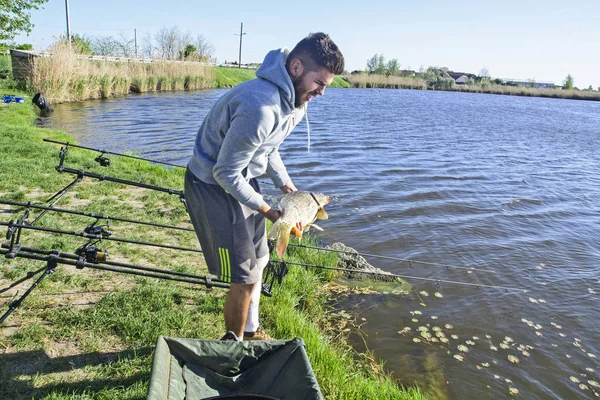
68 22
242 33
135 39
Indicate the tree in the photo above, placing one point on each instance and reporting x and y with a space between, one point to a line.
435 80
372 64
484 73
167 42
15 17
393 67
188 52
381 70
568 82
105 46
126 45
148 46
81 43
204 49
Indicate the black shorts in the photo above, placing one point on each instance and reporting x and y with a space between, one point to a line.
232 236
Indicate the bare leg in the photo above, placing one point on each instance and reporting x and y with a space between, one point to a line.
236 307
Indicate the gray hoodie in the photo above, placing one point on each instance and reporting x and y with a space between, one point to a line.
240 137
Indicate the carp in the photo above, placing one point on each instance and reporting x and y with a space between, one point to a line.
298 206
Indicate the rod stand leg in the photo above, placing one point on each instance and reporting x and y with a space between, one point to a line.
50 268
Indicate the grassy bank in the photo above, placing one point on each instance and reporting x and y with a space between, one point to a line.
365 80
230 77
87 334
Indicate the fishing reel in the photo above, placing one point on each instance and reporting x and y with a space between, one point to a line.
103 161
98 230
91 254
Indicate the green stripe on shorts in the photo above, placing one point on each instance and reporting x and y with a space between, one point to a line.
225 264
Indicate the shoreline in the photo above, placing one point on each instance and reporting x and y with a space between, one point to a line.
66 78
59 328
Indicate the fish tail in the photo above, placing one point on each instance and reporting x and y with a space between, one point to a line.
283 238
281 232
282 242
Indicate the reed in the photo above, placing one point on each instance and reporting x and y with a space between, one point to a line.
64 76
530 92
385 82
365 80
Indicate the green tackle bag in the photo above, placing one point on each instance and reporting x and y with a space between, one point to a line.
215 369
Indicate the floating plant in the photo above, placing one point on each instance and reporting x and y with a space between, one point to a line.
513 359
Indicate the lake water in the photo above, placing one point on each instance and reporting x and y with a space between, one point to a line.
508 186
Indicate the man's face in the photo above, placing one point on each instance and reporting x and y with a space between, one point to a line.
311 84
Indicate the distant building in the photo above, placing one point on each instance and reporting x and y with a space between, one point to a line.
531 83
407 72
460 78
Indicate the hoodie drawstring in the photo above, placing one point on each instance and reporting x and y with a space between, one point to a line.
307 125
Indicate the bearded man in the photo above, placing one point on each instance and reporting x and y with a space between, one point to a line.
239 141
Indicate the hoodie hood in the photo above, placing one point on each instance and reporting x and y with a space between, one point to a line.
273 70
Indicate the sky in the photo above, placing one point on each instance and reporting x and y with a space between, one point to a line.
526 39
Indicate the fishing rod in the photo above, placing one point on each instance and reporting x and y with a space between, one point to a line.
93 233
53 258
438 281
81 174
91 215
105 261
100 177
409 261
104 160
101 159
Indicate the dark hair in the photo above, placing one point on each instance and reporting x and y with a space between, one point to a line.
317 50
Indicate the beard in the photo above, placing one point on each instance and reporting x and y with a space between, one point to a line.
300 92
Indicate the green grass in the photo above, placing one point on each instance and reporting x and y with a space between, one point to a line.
87 334
230 77
340 82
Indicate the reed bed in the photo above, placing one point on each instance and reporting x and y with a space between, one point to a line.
64 76
530 92
365 80
386 82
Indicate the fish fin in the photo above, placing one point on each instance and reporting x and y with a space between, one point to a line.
322 214
282 242
297 232
317 227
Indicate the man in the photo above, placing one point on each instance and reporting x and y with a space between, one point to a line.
237 142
